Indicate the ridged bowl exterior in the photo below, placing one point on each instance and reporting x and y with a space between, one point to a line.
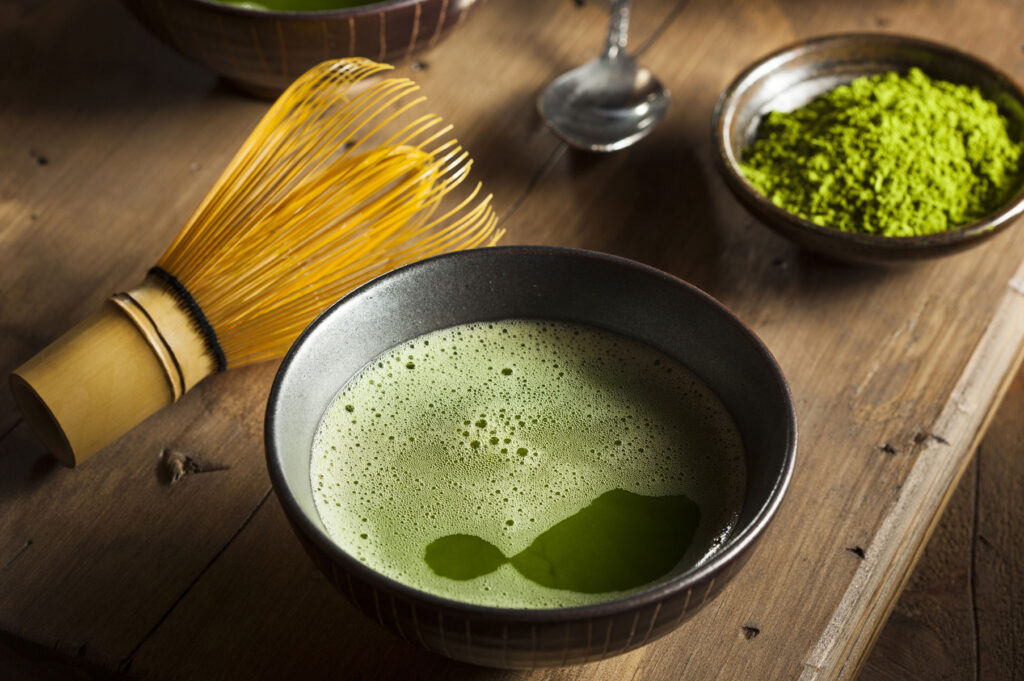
502 640
262 52
533 283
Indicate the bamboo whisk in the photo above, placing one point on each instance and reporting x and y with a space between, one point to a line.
338 183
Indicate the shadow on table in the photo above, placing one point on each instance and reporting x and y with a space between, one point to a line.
25 464
262 610
650 203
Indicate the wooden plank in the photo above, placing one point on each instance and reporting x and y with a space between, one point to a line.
924 493
651 203
959 616
997 552
201 581
931 630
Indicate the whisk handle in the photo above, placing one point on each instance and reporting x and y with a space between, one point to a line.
137 354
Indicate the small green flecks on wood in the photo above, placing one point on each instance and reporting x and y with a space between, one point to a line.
890 154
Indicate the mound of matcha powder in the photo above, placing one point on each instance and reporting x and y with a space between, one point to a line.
891 154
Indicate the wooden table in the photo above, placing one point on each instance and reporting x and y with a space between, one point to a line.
107 142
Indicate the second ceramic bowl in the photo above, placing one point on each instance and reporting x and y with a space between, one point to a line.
262 52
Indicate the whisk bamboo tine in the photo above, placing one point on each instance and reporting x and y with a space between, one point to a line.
445 170
279 305
309 163
244 166
265 129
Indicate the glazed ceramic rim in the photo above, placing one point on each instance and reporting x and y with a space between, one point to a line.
728 164
374 7
733 549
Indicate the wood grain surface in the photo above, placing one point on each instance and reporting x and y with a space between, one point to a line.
962 613
107 142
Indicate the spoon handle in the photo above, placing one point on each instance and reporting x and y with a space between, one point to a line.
618 29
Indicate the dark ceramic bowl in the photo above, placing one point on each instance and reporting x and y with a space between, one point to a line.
536 283
262 52
788 79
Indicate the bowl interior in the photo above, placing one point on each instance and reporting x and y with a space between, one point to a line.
794 76
537 283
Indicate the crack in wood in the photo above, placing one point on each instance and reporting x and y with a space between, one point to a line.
126 664
972 571
857 551
17 555
750 632
541 173
662 27
922 437
995 550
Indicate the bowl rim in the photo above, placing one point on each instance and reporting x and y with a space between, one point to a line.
373 7
726 157
737 545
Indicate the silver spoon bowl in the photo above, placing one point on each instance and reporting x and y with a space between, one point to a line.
608 103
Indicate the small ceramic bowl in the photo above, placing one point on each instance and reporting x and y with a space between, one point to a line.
534 283
262 52
791 77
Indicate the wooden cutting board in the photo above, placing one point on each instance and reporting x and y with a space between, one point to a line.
108 141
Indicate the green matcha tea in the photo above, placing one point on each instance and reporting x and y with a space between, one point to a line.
527 464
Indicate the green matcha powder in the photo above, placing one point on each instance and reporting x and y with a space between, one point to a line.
891 154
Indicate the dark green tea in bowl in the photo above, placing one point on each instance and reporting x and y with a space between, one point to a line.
528 464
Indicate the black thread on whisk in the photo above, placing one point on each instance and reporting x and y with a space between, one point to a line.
197 314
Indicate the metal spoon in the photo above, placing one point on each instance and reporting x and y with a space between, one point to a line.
608 103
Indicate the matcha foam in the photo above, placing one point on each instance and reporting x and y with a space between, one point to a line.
503 430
